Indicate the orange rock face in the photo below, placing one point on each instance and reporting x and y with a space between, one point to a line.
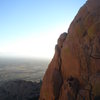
74 72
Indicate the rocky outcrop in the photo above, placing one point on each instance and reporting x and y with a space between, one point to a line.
53 79
74 72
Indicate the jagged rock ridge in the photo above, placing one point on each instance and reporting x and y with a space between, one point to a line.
74 72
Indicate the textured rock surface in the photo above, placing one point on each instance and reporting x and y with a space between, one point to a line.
74 72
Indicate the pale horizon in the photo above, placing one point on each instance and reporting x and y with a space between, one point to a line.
31 28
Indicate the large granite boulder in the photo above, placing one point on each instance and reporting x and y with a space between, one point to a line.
74 72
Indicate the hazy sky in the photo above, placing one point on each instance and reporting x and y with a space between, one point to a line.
30 28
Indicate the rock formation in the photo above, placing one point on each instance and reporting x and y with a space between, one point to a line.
74 72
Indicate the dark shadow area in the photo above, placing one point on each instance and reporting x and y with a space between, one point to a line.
97 98
20 90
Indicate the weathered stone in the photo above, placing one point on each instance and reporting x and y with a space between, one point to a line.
76 59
